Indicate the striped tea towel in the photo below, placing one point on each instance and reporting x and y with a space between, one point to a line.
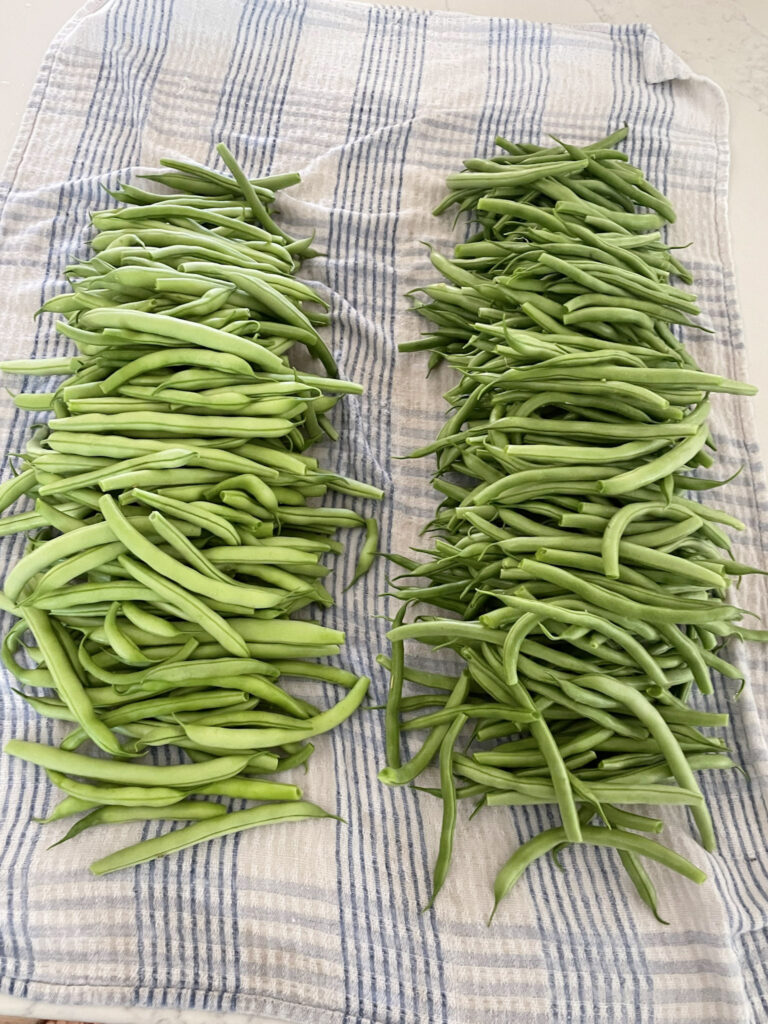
321 922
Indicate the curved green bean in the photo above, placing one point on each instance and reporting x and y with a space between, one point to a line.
202 831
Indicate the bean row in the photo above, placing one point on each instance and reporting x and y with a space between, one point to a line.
583 595
176 525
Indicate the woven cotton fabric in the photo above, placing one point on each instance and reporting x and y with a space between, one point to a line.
321 922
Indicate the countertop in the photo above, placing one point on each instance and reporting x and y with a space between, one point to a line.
726 40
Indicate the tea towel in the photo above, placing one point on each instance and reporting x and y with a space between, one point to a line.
322 923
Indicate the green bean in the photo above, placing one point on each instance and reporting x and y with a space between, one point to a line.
642 882
613 838
442 628
328 673
191 579
64 546
403 774
652 471
147 621
168 327
431 679
501 757
194 515
448 792
564 545
42 367
205 174
622 606
249 192
49 708
368 551
89 598
124 796
261 554
188 605
613 631
394 696
251 484
203 668
631 552
21 522
68 684
584 454
487 711
66 808
539 729
254 739
172 458
523 176
266 690
126 773
628 819
173 704
251 789
184 810
268 297
543 793
312 518
13 489
668 745
221 361
174 424
107 220
202 831
124 647
284 764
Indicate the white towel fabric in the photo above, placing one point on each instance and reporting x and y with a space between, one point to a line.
321 922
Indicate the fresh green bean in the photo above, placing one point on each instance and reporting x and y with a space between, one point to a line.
394 696
587 590
614 838
66 808
68 684
260 738
124 796
126 773
406 773
368 551
448 792
202 831
184 810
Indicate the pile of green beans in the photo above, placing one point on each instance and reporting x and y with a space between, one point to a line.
172 532
586 592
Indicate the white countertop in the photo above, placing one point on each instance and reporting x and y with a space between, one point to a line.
727 40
